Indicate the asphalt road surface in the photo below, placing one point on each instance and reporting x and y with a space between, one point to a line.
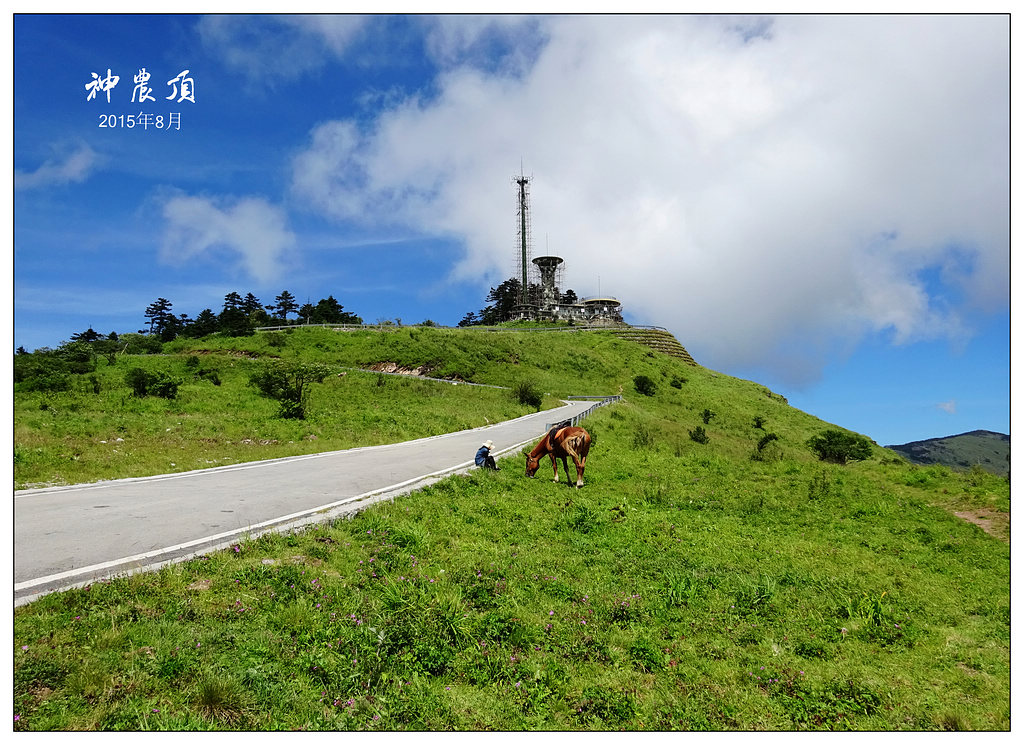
73 535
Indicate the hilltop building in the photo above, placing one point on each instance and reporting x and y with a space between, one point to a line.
541 299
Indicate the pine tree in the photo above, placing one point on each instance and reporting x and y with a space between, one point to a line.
158 314
234 321
285 304
206 323
251 304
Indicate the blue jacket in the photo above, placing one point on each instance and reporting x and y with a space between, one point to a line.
481 456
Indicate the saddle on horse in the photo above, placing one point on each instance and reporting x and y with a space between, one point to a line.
555 429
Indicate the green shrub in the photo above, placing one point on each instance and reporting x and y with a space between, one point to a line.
164 387
814 648
288 384
836 446
212 375
526 393
139 381
767 449
49 380
698 435
145 383
644 385
707 415
79 357
44 370
680 589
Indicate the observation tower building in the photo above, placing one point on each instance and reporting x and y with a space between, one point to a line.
539 297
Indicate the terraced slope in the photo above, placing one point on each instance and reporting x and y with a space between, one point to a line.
658 340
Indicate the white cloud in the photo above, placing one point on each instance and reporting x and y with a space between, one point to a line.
70 167
253 232
750 185
948 406
500 43
270 50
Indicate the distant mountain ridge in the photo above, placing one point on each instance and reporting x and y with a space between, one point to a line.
990 450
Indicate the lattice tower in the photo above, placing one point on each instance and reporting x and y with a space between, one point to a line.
524 239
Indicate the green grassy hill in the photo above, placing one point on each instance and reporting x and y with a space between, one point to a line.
689 585
99 430
981 448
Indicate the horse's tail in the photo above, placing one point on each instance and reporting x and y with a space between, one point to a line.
578 442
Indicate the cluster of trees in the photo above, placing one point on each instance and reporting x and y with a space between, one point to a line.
49 369
504 298
240 315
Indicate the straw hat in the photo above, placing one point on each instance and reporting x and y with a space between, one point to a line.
488 444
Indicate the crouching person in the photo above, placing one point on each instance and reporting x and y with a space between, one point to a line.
484 459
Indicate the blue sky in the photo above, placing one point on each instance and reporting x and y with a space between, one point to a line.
817 203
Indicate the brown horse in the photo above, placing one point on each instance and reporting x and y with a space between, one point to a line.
561 443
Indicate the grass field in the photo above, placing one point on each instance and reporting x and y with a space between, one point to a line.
99 430
687 586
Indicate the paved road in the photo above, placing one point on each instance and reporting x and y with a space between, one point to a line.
70 536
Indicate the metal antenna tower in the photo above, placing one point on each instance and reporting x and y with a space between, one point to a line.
524 237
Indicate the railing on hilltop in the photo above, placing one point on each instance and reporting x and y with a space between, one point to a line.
379 326
601 401
341 326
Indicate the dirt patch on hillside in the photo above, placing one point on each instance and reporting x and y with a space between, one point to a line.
420 371
996 524
395 369
232 353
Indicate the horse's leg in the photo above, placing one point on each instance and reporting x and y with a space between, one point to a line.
581 464
565 465
554 464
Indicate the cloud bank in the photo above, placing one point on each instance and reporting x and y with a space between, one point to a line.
766 188
251 230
